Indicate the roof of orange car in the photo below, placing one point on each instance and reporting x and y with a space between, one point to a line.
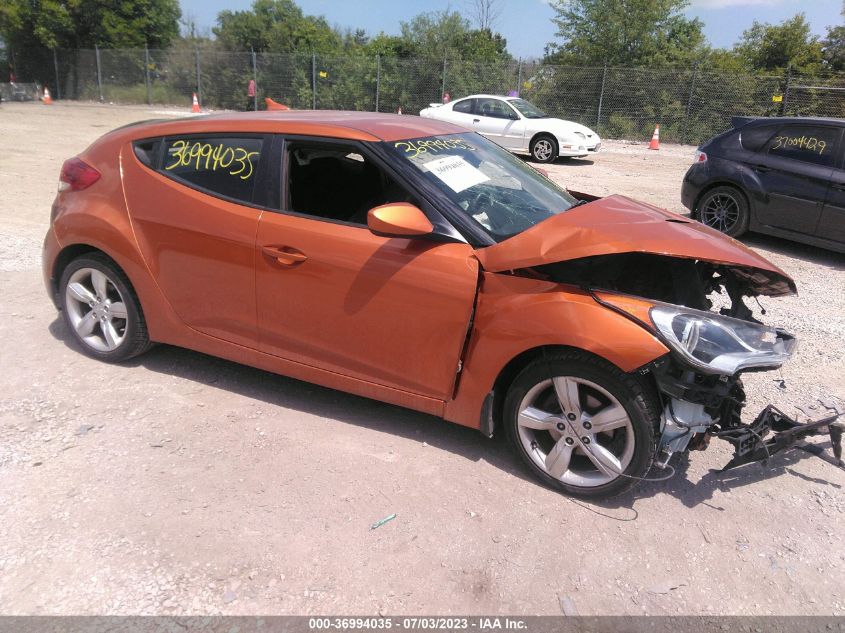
362 126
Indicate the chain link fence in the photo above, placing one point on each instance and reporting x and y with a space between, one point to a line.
690 104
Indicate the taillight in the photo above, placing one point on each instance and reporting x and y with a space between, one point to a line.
700 157
77 175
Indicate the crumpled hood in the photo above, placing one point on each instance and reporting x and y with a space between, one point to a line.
618 224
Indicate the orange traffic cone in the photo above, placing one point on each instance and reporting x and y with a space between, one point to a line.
195 107
46 100
655 138
274 105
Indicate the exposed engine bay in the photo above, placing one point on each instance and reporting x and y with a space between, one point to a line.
700 387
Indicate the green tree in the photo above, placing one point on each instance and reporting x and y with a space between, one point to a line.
624 32
774 47
833 46
448 34
276 26
84 23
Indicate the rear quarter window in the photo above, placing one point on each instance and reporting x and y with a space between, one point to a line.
754 138
464 106
807 143
223 165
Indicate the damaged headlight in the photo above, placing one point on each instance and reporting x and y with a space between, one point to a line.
718 344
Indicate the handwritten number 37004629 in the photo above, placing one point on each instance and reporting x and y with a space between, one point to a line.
236 161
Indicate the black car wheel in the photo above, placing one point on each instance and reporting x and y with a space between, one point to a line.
724 209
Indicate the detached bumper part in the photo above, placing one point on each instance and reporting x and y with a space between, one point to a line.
750 444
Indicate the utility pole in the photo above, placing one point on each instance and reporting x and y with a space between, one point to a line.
99 72
147 74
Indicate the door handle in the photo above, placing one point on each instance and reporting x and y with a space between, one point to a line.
285 255
762 169
476 120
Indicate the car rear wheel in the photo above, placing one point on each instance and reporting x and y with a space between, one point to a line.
581 425
544 148
101 310
724 209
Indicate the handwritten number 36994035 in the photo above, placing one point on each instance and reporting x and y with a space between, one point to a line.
236 161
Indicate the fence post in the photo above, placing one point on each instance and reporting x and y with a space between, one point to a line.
313 81
378 78
199 75
99 72
443 87
56 69
255 79
689 104
147 75
519 77
601 97
786 92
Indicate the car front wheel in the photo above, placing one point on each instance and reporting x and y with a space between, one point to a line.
582 425
544 149
724 209
101 310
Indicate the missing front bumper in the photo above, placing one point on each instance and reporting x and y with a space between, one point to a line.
750 443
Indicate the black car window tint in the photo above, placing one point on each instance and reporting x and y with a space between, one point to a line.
464 106
146 151
807 143
337 183
493 108
754 138
223 165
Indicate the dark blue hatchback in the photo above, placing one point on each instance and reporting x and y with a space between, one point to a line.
780 176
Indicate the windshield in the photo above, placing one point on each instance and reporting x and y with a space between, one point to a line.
492 186
528 110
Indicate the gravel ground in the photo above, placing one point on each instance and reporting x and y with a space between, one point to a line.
179 483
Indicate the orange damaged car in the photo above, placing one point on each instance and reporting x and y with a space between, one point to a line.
406 260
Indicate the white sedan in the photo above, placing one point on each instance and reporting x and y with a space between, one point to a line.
518 126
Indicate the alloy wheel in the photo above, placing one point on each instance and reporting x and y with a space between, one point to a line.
96 309
720 212
543 149
576 431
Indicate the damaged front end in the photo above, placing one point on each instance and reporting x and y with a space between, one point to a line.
688 285
698 310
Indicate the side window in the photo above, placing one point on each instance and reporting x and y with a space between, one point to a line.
754 138
494 108
336 182
464 106
223 165
807 143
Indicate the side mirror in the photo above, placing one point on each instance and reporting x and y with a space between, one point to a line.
398 219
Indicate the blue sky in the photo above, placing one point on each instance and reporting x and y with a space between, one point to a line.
527 23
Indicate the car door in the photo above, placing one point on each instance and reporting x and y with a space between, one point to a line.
499 122
332 295
794 169
195 205
832 223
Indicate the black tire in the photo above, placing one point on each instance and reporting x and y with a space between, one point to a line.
544 148
132 329
638 401
725 209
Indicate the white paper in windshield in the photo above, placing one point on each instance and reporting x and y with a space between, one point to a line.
455 172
